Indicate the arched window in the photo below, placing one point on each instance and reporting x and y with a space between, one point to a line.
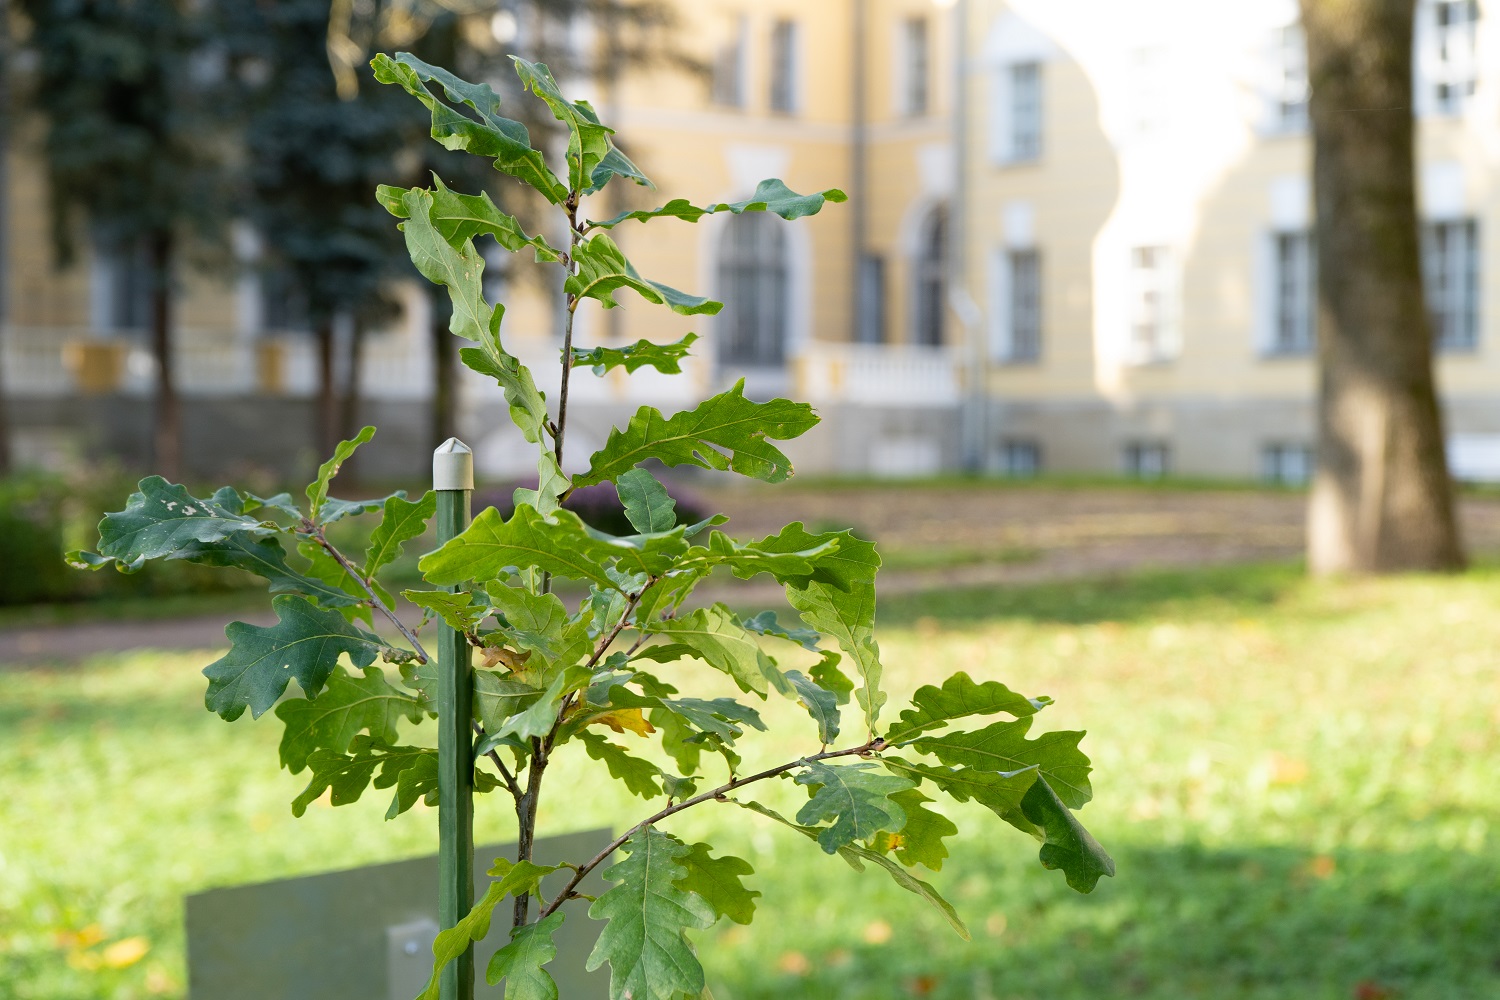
931 280
753 285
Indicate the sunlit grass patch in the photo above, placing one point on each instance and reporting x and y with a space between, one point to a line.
1296 779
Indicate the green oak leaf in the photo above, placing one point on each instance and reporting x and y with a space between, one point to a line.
516 879
304 644
335 509
267 559
502 140
602 270
838 559
665 358
459 268
458 610
855 797
403 521
317 491
827 675
1067 845
644 940
520 961
588 140
349 774
765 623
716 637
1004 747
499 697
725 432
532 720
557 543
648 505
856 856
347 706
748 559
641 777
920 841
770 196
959 698
717 881
459 217
849 617
540 623
998 791
161 518
615 164
822 705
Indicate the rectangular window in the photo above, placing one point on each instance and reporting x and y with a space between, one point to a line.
1147 459
1286 464
283 303
1290 98
784 82
1151 305
1026 111
1294 284
916 61
1454 69
1450 259
728 79
1020 459
122 289
1024 271
872 321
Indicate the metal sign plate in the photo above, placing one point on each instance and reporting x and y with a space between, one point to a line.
367 933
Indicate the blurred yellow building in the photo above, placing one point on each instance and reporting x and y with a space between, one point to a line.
1079 240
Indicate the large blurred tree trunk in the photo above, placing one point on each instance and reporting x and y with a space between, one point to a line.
5 116
1382 499
166 429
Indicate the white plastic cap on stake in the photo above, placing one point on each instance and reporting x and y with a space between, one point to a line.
453 466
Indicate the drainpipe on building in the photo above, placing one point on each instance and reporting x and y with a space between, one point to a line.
974 407
858 174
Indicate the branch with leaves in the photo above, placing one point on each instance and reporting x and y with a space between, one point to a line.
568 676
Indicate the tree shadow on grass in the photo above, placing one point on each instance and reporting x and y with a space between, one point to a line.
1227 592
1253 923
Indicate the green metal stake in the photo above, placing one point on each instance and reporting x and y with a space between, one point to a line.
453 480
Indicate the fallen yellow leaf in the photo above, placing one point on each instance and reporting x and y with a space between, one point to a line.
126 952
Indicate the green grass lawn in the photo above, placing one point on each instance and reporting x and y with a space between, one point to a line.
1298 783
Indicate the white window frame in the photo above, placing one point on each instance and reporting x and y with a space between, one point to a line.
1020 458
1446 63
784 91
913 64
1287 463
1452 256
1146 459
1291 293
1288 90
1152 330
1018 111
727 87
1011 343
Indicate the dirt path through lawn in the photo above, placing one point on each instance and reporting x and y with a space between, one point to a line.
932 537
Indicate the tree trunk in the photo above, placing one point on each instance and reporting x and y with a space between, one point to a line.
166 437
444 373
328 394
349 405
1381 499
5 122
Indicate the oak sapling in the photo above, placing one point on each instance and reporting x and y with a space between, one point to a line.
564 677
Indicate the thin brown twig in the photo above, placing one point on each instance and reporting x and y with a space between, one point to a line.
316 531
511 784
720 793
